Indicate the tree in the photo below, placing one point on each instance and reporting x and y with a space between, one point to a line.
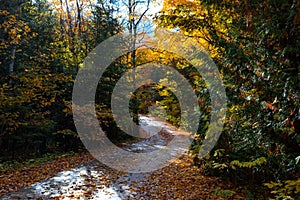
13 29
256 47
35 107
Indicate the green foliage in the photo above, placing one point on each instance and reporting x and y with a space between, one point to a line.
223 193
256 47
161 99
38 62
30 111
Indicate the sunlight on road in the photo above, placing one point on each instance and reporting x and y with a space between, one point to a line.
95 181
77 182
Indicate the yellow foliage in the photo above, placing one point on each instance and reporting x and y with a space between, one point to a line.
289 189
4 12
258 162
169 4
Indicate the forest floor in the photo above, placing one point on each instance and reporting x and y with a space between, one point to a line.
80 176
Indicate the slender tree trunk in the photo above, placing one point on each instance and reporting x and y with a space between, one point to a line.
12 63
61 18
14 48
79 21
69 19
134 22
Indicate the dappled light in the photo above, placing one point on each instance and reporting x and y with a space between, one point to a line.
152 99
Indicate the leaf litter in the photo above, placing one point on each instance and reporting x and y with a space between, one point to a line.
82 177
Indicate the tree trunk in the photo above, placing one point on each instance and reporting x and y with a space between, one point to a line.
11 65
